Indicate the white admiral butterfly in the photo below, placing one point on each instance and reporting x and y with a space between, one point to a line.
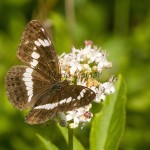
38 85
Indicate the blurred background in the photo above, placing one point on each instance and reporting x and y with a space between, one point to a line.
121 27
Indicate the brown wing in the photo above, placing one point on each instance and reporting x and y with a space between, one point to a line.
50 102
23 85
37 51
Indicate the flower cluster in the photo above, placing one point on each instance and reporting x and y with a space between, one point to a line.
83 67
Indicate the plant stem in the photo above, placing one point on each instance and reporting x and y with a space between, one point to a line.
70 139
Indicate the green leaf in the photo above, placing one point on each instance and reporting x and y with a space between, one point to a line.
48 145
108 125
76 143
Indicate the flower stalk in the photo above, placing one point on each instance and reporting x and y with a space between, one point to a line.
70 138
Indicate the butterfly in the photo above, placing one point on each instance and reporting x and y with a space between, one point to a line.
38 84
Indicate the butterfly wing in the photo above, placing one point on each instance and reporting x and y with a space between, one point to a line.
68 98
23 85
37 51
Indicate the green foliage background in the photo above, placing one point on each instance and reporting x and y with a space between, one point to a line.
121 27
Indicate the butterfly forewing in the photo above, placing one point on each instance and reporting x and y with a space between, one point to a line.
69 98
37 51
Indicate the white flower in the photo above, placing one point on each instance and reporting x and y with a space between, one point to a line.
74 67
109 86
84 66
100 96
73 115
81 60
81 115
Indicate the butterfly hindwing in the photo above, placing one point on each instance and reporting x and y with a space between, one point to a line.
23 84
75 96
68 98
37 51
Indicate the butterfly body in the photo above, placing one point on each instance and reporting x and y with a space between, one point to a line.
59 85
38 85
